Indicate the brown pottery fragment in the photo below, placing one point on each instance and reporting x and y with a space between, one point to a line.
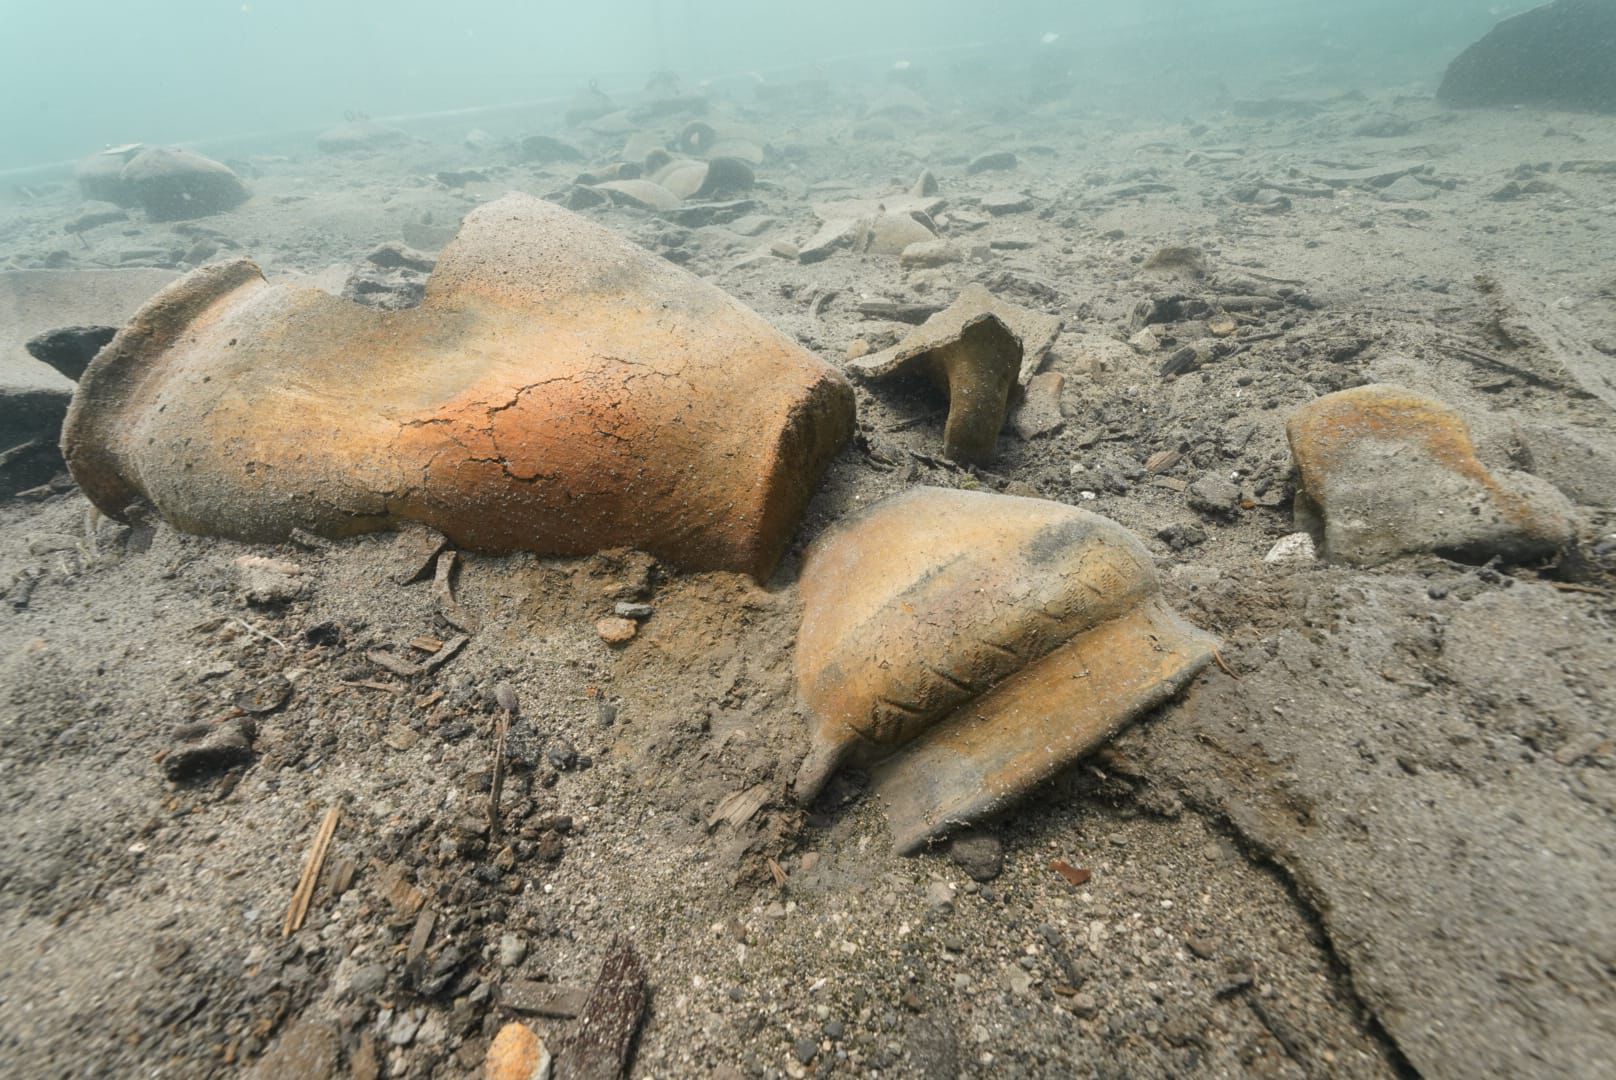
559 390
973 645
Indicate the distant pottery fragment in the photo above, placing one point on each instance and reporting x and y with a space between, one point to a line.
976 350
1386 471
971 646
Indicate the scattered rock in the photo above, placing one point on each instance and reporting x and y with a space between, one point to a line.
69 349
1295 549
1040 410
625 609
265 582
546 150
1557 55
1214 494
929 253
940 896
832 235
994 161
999 203
306 1050
100 176
980 854
517 1054
617 631
1390 472
173 185
925 185
203 749
512 950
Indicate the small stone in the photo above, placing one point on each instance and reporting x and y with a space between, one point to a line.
1212 494
832 235
266 582
1296 548
366 980
925 186
306 1049
805 1050
1084 1005
928 254
1040 410
835 1029
1005 202
174 185
994 161
512 950
629 610
202 749
940 896
517 1054
978 853
402 1030
1204 948
617 631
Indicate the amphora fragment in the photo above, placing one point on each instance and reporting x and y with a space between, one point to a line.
972 645
559 390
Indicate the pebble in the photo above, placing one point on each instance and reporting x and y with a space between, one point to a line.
1212 494
512 950
617 630
1298 547
805 1050
940 896
627 610
367 980
1005 202
1084 1005
978 853
930 253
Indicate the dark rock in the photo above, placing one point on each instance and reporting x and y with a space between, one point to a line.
202 749
1212 494
805 1050
306 1050
69 349
173 185
978 853
544 149
100 176
1557 56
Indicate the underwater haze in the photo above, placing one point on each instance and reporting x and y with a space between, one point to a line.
77 75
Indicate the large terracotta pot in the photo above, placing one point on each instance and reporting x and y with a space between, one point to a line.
559 390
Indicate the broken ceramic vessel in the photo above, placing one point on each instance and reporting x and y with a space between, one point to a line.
975 350
973 645
1386 471
559 390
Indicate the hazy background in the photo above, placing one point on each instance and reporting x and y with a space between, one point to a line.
77 75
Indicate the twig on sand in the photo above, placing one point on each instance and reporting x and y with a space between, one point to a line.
251 629
502 728
299 909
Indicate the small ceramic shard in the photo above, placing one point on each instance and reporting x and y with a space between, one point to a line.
1392 472
975 349
973 645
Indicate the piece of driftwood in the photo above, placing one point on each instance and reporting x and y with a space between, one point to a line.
299 909
599 1044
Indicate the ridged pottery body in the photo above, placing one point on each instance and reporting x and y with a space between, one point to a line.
559 390
973 645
